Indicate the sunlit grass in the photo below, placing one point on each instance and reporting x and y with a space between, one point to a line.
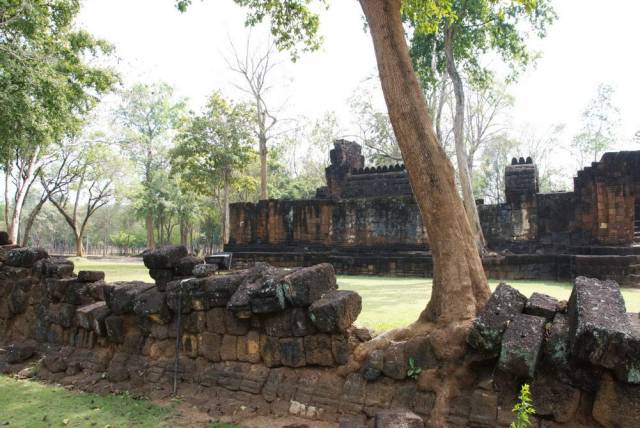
387 301
31 404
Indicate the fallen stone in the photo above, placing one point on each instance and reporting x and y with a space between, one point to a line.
335 311
397 419
185 265
306 285
541 305
54 267
165 257
17 353
204 270
25 257
598 324
486 332
90 276
521 346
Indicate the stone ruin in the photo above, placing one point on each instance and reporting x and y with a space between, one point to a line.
270 341
366 221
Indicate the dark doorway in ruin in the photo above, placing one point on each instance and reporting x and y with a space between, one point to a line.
636 222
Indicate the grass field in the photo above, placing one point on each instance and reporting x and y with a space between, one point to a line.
31 404
387 301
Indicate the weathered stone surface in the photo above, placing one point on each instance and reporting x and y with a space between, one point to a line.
114 327
504 304
117 371
541 305
152 304
55 363
554 398
372 368
317 350
521 346
557 343
599 328
25 257
165 257
54 267
335 311
340 348
263 296
215 320
185 265
62 314
279 325
122 296
270 351
249 347
617 405
395 361
19 352
397 419
292 352
235 326
306 285
90 276
204 270
229 348
301 324
85 315
483 412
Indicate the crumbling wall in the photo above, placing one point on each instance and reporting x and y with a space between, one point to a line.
272 341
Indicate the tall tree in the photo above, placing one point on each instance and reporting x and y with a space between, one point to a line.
256 68
212 148
95 168
600 122
46 87
455 46
148 114
459 285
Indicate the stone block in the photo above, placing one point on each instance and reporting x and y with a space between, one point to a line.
301 324
484 406
279 325
215 320
165 257
63 314
317 350
372 368
114 326
557 344
204 270
161 277
335 311
185 265
306 285
396 362
190 345
54 267
229 348
122 296
90 276
152 304
521 346
235 326
554 398
397 419
25 257
19 352
270 351
340 348
117 371
55 362
616 404
292 352
249 347
486 332
542 305
85 315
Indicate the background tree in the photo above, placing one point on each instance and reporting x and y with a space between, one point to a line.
212 148
96 167
46 87
256 68
600 122
454 46
148 114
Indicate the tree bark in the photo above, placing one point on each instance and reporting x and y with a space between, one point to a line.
459 284
458 135
151 242
31 219
264 193
79 246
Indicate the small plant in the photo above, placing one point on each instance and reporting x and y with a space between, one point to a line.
523 409
413 371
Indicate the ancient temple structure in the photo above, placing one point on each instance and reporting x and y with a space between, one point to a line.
366 221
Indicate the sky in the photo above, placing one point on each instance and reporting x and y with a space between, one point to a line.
592 42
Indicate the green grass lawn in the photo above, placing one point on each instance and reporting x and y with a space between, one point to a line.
32 404
387 301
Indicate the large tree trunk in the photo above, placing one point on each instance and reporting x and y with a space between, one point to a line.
458 136
264 193
151 242
31 219
79 246
459 284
